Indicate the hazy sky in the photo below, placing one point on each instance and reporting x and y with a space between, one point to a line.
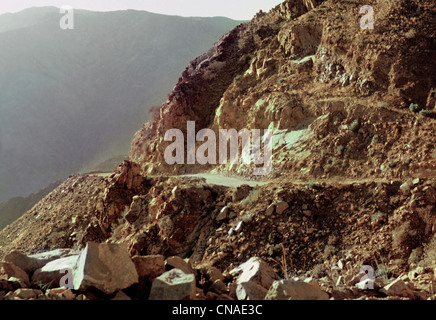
235 9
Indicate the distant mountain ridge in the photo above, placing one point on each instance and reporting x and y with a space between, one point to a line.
13 208
71 99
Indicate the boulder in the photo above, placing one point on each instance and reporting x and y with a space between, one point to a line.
105 266
250 291
173 285
30 263
8 270
256 270
178 263
397 288
149 267
51 274
294 290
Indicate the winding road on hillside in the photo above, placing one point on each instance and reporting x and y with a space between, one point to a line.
222 180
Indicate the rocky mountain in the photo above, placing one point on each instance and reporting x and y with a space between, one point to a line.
340 94
74 98
347 211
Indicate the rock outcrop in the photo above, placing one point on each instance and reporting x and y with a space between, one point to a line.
308 71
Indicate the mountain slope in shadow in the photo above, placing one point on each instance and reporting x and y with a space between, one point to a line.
71 99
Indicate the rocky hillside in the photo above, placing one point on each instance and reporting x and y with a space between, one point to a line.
353 184
12 209
337 96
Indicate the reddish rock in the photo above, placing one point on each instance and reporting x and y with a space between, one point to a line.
179 263
149 267
8 270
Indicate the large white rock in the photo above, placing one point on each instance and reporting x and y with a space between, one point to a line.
173 285
30 263
105 266
256 270
295 290
51 275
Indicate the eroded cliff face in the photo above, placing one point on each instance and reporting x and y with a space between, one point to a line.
198 93
337 96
